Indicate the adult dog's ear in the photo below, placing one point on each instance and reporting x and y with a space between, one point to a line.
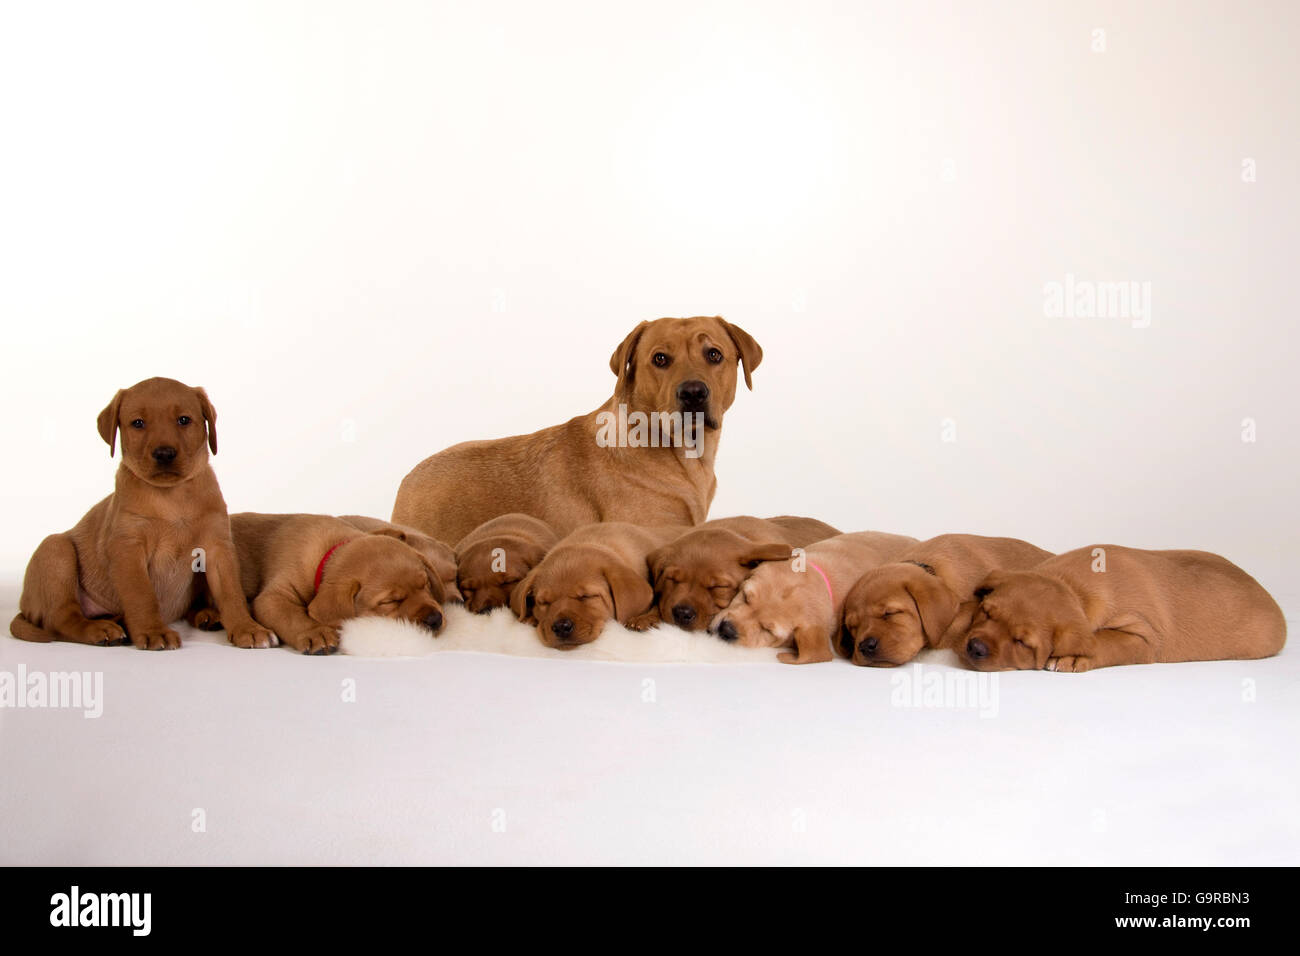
108 421
335 602
629 590
750 351
209 418
521 598
759 553
623 362
936 605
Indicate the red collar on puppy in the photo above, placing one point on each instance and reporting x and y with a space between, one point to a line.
320 568
829 590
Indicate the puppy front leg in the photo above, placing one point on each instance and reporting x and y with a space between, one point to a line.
809 648
222 574
288 617
1106 647
128 569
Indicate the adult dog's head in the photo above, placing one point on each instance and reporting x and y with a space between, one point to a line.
167 429
684 366
1017 618
697 575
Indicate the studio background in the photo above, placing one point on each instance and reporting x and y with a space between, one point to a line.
371 231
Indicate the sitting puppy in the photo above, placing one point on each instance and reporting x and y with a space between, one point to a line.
132 558
441 556
897 609
797 603
496 555
307 574
594 574
698 574
1106 605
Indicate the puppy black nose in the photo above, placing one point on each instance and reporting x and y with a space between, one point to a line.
868 646
433 620
164 454
684 615
727 630
562 628
976 649
693 394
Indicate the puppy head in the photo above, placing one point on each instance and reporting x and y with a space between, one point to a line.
774 603
1016 619
892 613
488 570
698 575
167 429
684 366
378 575
574 591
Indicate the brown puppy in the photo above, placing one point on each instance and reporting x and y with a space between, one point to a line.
133 556
496 555
594 574
698 574
1106 605
797 603
897 609
441 556
307 574
673 374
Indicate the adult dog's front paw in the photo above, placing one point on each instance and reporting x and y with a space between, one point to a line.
319 640
161 639
251 634
1072 664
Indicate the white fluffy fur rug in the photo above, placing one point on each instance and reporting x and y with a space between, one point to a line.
501 633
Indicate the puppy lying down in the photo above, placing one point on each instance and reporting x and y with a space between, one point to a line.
496 556
440 555
1106 605
798 603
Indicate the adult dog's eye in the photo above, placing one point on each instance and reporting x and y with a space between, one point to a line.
184 420
661 360
137 423
714 355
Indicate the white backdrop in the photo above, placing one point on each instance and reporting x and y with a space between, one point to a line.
373 230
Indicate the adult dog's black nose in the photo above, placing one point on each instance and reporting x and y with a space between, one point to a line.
683 615
693 394
433 620
727 630
868 646
562 628
976 649
164 454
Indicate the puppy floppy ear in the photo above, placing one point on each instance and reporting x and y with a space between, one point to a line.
209 418
521 599
108 421
335 602
435 580
623 362
751 353
397 533
759 553
936 605
629 590
654 562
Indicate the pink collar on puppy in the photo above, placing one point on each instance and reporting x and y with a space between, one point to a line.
829 590
320 568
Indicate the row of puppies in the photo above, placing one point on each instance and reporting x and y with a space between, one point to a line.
879 599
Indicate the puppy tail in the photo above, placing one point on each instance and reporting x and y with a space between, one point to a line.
25 630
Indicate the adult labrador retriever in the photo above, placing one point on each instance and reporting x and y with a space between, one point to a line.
132 559
645 456
1105 605
496 556
698 574
897 609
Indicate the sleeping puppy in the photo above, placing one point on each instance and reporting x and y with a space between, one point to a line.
496 555
897 609
1106 605
127 570
307 574
698 574
441 556
593 575
797 603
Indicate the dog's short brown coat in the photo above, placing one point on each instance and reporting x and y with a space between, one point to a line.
132 559
593 575
496 556
1105 605
441 556
563 476
897 609
697 575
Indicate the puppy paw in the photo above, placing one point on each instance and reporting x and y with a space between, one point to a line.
1073 664
319 640
164 639
206 619
251 634
105 634
643 622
